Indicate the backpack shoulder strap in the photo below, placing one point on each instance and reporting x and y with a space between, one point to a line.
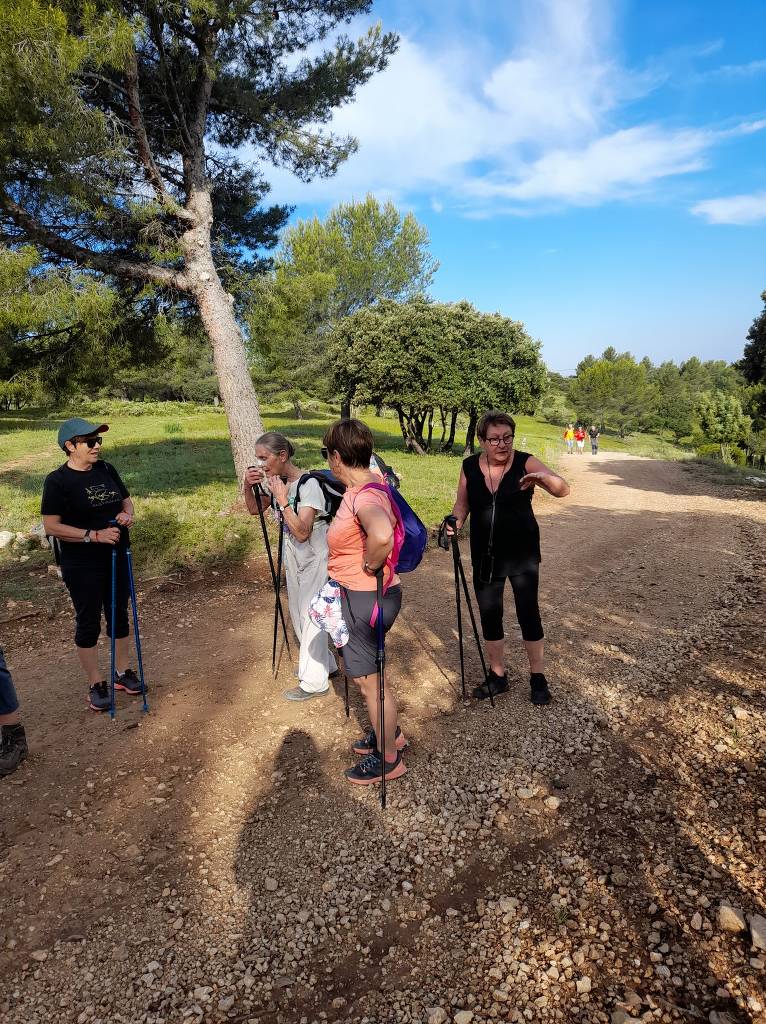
303 478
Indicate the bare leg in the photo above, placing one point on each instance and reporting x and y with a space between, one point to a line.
496 656
89 661
122 653
536 655
14 718
369 687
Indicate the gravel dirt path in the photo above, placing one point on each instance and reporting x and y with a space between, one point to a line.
208 862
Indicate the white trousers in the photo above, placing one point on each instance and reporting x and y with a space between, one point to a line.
306 571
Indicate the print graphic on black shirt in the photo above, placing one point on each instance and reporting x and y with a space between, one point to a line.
101 494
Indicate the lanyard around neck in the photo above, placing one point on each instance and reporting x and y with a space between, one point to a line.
494 499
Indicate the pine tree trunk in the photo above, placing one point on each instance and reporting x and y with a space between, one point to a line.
229 356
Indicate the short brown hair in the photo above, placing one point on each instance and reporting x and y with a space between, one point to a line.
494 418
352 440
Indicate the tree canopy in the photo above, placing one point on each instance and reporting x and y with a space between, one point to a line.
124 129
423 358
753 363
327 269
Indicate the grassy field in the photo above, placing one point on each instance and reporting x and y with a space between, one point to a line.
178 466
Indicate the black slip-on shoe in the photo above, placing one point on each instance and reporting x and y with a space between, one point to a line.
498 683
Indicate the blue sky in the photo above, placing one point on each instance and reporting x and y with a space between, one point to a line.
595 169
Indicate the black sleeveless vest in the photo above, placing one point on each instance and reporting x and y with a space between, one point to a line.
516 536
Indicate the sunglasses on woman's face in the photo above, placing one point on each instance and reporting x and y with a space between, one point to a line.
90 441
324 452
505 440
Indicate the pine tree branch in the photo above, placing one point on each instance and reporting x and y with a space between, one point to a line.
151 170
176 107
85 257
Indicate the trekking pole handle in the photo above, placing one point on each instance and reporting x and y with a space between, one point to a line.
442 539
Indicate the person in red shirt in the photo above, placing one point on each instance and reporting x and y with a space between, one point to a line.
580 436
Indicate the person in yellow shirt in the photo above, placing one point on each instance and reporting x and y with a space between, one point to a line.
569 437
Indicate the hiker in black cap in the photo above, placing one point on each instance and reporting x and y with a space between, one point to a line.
80 499
496 488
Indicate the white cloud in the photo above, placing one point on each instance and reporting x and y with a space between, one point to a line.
754 67
543 126
743 209
608 167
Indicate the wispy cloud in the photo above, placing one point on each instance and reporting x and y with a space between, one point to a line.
742 209
548 125
748 70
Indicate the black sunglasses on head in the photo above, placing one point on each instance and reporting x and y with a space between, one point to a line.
90 441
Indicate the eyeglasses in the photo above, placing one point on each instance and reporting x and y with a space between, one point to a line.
90 441
324 452
506 439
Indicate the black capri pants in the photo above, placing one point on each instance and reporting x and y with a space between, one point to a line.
90 587
490 600
360 653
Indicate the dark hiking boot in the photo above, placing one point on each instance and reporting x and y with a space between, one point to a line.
129 682
370 769
369 742
498 683
538 689
13 748
98 697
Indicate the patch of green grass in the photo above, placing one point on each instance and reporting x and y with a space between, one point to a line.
180 472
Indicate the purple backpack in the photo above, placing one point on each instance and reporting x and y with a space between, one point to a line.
410 535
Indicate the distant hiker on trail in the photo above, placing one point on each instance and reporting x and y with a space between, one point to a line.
569 436
580 436
496 488
306 520
361 540
79 501
594 435
13 740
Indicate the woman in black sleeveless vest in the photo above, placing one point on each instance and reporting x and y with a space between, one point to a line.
495 489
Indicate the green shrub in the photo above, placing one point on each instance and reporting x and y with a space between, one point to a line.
709 451
737 456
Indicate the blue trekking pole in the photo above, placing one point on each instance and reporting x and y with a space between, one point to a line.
381 660
134 607
136 631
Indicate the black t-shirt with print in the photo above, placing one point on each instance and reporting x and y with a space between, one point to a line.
87 499
593 434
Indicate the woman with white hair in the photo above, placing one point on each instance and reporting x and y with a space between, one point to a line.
306 521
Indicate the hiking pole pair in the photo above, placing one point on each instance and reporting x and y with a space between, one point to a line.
457 562
276 578
278 613
136 630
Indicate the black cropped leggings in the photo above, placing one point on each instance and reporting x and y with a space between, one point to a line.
490 599
90 587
